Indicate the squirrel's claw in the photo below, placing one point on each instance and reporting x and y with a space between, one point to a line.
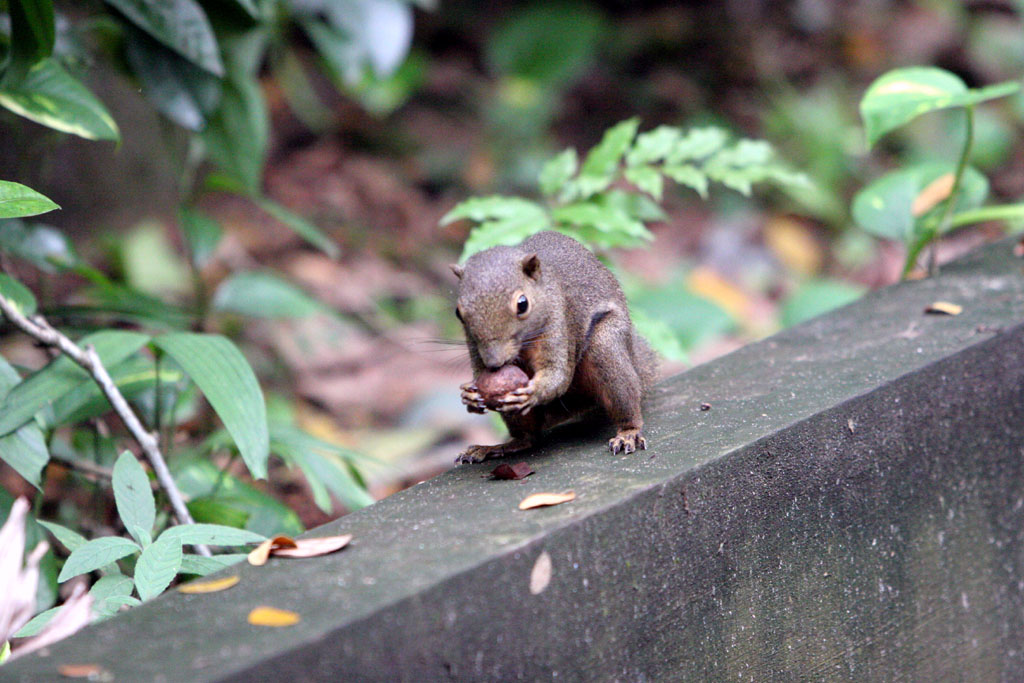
521 400
627 441
472 399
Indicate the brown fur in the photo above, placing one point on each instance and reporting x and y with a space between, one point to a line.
575 342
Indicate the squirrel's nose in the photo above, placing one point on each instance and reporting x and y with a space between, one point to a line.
494 355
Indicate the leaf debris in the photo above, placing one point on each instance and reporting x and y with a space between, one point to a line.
209 586
944 308
272 616
520 470
538 500
259 555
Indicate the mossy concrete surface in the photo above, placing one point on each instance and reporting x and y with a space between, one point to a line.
850 507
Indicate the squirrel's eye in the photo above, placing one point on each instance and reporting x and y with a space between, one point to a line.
458 314
522 305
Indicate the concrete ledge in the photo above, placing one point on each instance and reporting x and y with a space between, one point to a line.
852 506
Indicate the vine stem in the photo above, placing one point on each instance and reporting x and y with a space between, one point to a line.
89 360
946 222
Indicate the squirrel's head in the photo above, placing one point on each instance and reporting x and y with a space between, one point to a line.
501 302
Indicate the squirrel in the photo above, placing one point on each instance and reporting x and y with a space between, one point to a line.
550 307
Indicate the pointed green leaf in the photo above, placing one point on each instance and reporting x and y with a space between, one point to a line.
210 534
117 585
96 553
506 231
37 623
201 566
264 295
646 179
690 176
223 375
25 451
18 294
181 25
300 226
72 540
157 567
604 158
202 234
654 145
698 143
134 497
62 375
17 201
49 95
321 462
236 134
32 36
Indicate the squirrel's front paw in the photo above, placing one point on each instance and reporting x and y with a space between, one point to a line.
472 399
521 400
475 454
627 441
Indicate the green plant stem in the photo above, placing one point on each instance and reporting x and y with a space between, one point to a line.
945 223
1001 212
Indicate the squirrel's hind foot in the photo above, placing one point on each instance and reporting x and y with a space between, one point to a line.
475 454
627 441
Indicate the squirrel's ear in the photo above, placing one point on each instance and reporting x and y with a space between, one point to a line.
458 270
531 266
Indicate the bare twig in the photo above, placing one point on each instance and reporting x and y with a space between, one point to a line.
88 359
84 467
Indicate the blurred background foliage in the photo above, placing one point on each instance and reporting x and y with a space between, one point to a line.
277 170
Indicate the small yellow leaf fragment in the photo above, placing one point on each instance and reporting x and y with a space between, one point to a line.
272 616
209 586
933 193
540 576
92 671
258 557
313 547
944 308
539 500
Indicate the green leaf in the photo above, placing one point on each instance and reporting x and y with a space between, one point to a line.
647 179
106 593
885 207
236 134
217 512
202 234
322 463
25 451
32 36
134 497
201 566
481 209
50 96
604 158
17 201
690 176
506 232
96 553
557 172
72 540
62 375
654 145
210 534
817 297
18 294
41 245
698 143
37 623
659 335
181 25
157 567
694 319
612 221
220 370
901 95
178 89
263 295
300 226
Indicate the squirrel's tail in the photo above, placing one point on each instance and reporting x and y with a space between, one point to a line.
645 360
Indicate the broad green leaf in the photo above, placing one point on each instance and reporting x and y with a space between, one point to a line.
201 566
654 145
60 376
18 294
25 451
181 25
72 540
42 245
323 464
693 319
32 36
816 297
901 95
17 201
557 172
50 96
482 209
504 232
157 567
132 377
202 234
300 226
263 295
209 534
208 510
181 91
604 218
223 375
96 553
885 207
109 592
236 134
199 479
134 497
604 158
647 179
37 623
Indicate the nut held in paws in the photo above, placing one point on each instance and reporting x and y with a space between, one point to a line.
493 385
